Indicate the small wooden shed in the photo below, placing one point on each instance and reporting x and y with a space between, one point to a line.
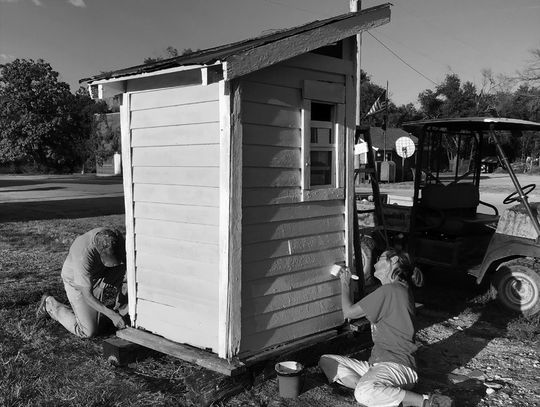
238 187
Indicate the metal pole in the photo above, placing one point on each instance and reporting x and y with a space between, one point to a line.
385 118
354 6
404 152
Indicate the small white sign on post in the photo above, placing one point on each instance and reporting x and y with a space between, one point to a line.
405 149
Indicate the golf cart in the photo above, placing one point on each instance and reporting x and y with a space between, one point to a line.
449 229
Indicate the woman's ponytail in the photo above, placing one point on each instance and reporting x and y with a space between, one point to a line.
404 269
417 277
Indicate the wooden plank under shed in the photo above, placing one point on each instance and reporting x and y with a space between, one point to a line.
185 352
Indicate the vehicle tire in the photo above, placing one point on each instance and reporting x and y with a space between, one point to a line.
518 285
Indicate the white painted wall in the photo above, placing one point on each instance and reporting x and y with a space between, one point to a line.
175 171
288 245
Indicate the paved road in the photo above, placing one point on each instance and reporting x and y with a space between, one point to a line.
68 196
24 188
493 189
25 197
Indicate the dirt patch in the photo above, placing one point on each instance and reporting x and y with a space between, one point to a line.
468 355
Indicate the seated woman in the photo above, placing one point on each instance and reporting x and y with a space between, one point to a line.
386 379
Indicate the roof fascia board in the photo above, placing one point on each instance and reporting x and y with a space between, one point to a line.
275 52
149 74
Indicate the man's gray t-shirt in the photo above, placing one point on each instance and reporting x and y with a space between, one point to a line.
83 267
390 309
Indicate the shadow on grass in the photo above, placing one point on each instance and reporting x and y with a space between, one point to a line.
33 189
444 299
61 209
68 179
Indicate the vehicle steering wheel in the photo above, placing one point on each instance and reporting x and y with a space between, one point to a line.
527 189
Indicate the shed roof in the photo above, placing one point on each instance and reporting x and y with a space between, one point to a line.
226 52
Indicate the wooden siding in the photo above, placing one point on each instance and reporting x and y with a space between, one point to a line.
175 186
288 245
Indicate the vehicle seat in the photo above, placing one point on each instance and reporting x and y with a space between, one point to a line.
456 198
451 209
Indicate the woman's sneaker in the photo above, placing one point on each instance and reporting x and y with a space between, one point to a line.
438 400
41 311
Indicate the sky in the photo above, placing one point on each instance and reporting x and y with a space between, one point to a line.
424 41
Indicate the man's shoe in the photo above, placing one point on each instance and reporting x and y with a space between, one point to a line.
41 311
438 400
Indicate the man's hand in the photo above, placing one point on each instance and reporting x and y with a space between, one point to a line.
118 321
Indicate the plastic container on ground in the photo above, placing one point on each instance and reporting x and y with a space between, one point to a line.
290 378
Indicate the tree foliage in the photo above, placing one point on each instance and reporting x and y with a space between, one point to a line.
107 133
397 115
451 98
531 73
41 121
170 52
498 96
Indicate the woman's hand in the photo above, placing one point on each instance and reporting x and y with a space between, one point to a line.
118 321
345 276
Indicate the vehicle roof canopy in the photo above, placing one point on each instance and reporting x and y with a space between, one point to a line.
473 124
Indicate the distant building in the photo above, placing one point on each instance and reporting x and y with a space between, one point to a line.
387 145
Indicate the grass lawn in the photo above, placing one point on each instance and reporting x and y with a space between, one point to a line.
41 364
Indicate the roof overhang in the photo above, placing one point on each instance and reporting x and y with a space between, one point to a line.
236 60
104 88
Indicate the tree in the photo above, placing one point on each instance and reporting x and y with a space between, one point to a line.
397 115
369 93
450 99
41 121
531 73
107 134
170 52
85 141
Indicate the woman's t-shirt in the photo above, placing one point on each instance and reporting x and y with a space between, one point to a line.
390 309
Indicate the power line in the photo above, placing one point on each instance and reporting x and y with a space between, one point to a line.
402 60
379 41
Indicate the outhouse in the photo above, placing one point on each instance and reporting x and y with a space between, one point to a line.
238 187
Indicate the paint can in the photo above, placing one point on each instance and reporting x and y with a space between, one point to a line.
290 378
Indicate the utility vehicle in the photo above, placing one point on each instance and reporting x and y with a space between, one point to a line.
449 229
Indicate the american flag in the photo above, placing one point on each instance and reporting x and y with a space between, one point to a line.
380 105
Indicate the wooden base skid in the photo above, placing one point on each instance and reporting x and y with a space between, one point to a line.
120 352
188 353
221 379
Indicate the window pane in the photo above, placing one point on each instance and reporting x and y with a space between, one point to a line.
321 112
321 136
314 138
321 167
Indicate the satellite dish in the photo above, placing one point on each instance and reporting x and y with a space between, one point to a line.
405 147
